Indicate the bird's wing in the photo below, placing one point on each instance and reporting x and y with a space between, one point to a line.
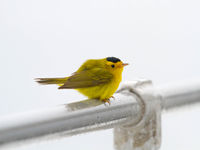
87 78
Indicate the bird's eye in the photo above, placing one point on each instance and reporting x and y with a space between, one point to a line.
112 66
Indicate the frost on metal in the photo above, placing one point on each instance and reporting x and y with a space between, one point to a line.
134 115
146 134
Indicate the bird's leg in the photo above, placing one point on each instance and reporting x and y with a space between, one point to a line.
113 97
106 101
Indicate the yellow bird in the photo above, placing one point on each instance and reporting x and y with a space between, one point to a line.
96 78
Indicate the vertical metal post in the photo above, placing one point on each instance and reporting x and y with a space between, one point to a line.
146 134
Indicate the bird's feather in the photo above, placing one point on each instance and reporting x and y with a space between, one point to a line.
87 78
51 80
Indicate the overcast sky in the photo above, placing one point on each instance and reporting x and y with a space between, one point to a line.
46 38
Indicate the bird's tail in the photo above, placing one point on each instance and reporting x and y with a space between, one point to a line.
45 81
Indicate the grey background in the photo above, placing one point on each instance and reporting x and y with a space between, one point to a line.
40 38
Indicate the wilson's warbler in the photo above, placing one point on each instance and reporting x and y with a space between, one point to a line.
96 78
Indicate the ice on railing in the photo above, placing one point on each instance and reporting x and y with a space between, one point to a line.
135 115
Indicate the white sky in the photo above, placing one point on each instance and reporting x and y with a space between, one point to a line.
46 38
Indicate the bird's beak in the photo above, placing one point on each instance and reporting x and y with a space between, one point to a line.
124 64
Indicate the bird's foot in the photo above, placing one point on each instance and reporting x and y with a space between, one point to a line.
113 97
106 101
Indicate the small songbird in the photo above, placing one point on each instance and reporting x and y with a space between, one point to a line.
96 78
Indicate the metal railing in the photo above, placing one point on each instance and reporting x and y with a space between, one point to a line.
134 114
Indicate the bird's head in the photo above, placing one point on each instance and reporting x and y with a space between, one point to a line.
114 64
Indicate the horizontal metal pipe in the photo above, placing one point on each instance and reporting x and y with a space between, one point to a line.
67 120
176 95
89 115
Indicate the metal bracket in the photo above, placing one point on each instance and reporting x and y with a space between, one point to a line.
146 133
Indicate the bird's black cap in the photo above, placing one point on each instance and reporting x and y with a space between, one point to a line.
113 59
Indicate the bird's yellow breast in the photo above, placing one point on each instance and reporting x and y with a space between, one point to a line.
103 91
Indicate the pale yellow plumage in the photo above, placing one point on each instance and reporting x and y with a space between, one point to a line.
96 78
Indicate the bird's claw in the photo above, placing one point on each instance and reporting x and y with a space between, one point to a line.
113 97
106 101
